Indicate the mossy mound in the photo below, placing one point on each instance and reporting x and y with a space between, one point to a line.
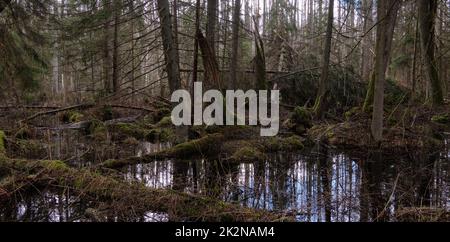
152 133
165 122
248 154
160 135
130 130
274 144
71 116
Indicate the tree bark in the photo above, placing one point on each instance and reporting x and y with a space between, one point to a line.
106 50
427 18
235 44
170 51
115 75
387 15
367 42
211 24
323 85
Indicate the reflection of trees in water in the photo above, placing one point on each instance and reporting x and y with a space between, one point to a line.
322 186
325 183
44 206
318 186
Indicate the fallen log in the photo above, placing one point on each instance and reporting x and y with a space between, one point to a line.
133 108
28 107
79 106
125 196
208 145
87 123
84 106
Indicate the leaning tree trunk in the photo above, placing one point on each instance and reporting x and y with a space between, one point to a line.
427 17
387 15
170 51
323 87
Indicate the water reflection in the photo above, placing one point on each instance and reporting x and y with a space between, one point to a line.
48 206
321 185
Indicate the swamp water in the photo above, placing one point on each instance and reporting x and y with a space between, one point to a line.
315 185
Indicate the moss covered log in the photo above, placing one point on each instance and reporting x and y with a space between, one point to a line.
205 146
126 196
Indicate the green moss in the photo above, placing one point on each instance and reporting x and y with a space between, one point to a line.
292 143
248 154
208 145
71 117
165 122
442 119
2 143
368 101
132 130
55 165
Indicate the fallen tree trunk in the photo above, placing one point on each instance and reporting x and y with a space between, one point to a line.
208 145
87 123
84 106
80 106
124 196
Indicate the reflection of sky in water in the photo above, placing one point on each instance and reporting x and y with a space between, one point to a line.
294 185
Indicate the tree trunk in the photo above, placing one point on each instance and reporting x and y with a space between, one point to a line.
106 53
387 15
211 25
115 75
427 17
235 44
323 85
367 41
170 51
